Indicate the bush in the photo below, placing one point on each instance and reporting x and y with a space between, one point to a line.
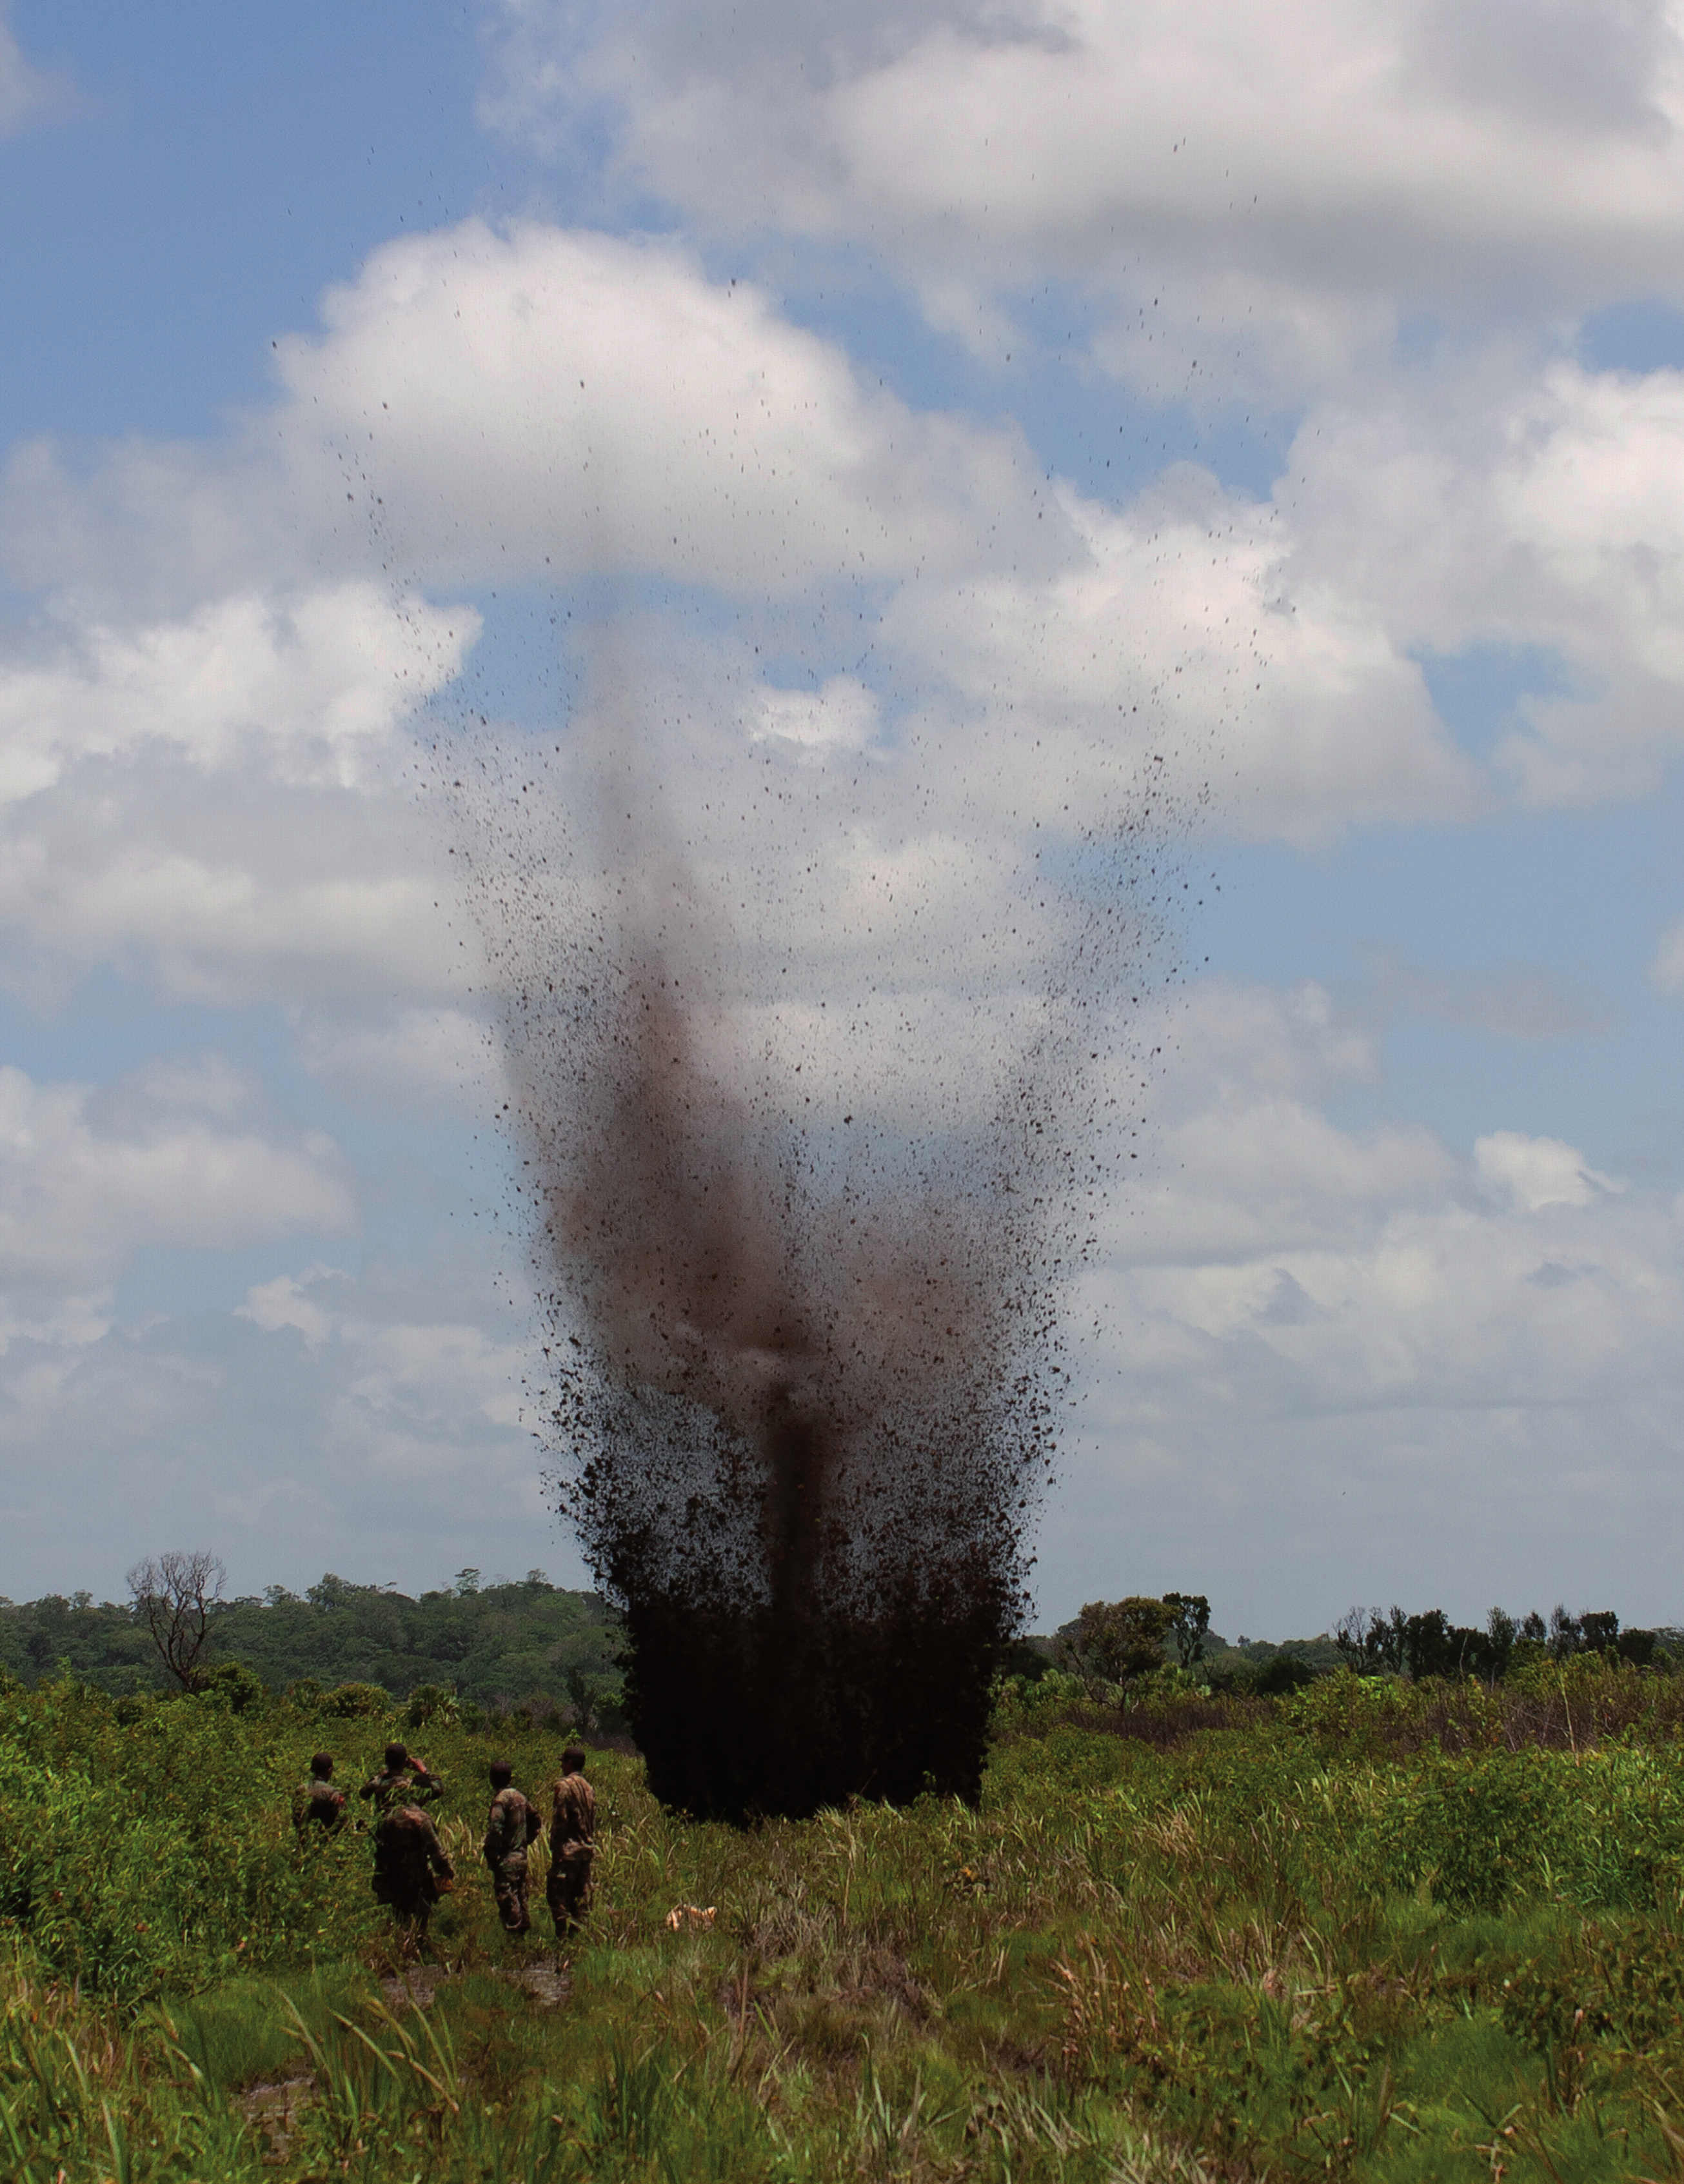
1476 1831
234 1685
1283 1675
354 1701
160 1853
432 1703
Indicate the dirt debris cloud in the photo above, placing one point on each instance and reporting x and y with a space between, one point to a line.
804 1274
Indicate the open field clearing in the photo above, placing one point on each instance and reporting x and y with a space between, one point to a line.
1372 1930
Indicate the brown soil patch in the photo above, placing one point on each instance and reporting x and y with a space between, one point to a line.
549 1986
413 1989
271 2108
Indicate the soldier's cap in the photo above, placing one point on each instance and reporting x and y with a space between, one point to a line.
500 1772
321 1762
397 1755
573 1759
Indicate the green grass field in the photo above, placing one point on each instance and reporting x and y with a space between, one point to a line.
1374 1931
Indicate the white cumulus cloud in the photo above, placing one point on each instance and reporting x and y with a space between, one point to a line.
549 398
301 689
87 1175
1294 176
1321 1355
1534 1173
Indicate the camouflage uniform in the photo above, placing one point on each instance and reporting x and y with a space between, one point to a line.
408 1864
410 1784
512 1823
318 1809
573 1832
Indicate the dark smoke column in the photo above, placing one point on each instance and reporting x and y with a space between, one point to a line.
798 1393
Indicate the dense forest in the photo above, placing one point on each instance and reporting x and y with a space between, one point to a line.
495 1644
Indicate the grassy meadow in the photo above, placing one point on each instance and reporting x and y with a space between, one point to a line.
1373 1929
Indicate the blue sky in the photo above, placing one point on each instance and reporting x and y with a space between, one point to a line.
205 178
996 376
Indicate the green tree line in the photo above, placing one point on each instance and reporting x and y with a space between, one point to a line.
495 1644
1125 1642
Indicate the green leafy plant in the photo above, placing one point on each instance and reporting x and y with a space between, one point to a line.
355 1702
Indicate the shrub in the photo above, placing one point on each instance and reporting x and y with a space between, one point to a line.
1279 1677
356 1701
1353 1713
1476 1830
160 1853
432 1703
234 1685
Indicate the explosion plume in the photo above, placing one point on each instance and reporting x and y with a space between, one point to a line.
804 1362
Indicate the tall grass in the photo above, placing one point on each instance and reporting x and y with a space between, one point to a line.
1322 1938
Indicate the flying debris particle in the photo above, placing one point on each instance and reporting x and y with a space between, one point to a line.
804 1389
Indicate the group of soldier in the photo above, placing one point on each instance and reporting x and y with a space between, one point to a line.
411 1868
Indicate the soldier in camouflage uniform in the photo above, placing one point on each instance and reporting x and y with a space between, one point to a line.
404 1780
512 1823
410 1863
572 1843
318 1806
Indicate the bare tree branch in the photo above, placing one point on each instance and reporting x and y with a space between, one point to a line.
175 1593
